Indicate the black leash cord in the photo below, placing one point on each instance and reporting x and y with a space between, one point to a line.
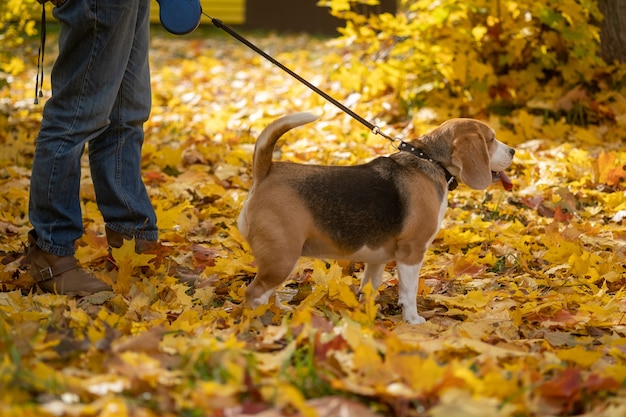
40 56
404 146
218 23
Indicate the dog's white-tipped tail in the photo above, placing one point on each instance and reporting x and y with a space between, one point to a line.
262 160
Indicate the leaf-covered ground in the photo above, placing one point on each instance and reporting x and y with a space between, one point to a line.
523 290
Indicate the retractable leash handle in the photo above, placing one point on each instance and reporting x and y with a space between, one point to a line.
180 16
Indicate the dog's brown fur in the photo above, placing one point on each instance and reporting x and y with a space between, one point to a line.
390 208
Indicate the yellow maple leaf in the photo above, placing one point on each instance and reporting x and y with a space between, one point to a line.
126 260
284 395
579 355
527 125
586 135
457 236
339 290
44 375
586 264
472 300
611 171
177 216
617 371
366 314
421 374
560 252
231 266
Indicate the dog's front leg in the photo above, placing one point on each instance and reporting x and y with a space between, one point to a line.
408 280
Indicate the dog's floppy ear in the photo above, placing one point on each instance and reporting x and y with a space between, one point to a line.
470 155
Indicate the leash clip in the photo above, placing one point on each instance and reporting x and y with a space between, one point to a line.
376 130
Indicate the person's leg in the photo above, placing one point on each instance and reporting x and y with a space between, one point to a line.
77 112
115 155
85 79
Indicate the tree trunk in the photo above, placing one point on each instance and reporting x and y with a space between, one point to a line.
613 30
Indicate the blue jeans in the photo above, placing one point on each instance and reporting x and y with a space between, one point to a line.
101 97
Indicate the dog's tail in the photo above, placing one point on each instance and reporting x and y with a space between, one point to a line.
264 147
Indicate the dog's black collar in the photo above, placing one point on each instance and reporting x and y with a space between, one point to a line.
450 179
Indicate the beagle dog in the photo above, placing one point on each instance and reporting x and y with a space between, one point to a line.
390 208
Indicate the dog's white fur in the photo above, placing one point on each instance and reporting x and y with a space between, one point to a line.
390 208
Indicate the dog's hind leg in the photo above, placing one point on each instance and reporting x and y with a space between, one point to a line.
373 273
272 271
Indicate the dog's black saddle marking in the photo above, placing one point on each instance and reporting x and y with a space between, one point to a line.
450 179
345 200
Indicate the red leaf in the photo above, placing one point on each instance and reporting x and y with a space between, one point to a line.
565 386
595 383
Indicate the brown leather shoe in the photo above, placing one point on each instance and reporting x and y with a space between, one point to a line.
60 274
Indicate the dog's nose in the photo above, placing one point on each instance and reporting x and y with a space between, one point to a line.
512 151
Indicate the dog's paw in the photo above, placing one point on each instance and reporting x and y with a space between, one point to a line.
284 307
413 318
254 299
